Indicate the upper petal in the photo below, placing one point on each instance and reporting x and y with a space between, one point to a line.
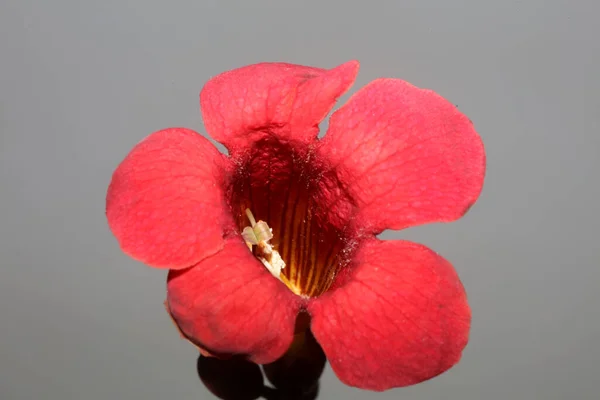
406 155
230 304
165 204
401 318
287 100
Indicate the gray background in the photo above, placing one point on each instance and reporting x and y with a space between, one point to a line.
82 81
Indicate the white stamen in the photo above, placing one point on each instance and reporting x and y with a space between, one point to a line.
257 235
276 264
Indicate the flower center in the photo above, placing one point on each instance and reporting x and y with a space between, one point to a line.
297 205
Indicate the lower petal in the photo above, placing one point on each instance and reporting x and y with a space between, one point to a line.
230 304
402 317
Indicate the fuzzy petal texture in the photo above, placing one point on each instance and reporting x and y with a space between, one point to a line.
402 317
165 204
241 106
406 155
230 304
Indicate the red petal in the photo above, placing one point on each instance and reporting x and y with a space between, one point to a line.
401 318
202 350
165 204
243 105
230 304
407 155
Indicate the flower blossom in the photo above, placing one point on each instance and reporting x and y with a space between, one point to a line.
285 224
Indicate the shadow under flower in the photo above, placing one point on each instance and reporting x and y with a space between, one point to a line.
295 376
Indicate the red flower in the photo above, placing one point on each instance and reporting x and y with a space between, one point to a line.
387 313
